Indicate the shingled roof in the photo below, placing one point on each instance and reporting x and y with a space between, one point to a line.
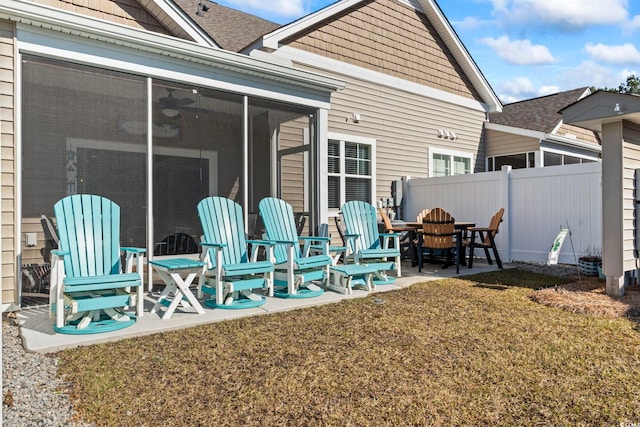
538 114
231 29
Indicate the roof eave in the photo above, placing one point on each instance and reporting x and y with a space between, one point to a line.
83 26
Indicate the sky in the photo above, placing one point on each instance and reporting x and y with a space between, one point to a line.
524 48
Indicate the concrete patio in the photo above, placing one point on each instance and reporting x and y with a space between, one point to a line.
38 335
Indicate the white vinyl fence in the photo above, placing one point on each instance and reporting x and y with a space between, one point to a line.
537 202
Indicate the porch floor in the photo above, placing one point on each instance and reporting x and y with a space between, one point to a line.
38 336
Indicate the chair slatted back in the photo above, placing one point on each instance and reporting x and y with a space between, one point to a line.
438 228
494 225
422 214
223 223
360 218
385 220
89 229
279 224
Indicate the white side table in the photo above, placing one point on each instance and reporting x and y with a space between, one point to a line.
178 274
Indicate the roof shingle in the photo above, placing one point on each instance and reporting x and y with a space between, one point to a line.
537 114
230 28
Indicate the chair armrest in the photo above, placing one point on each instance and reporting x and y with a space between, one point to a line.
485 229
60 252
262 242
213 245
283 242
134 250
390 234
315 238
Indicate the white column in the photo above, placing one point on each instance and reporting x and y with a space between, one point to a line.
322 157
612 207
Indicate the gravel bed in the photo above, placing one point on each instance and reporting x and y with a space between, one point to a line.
34 396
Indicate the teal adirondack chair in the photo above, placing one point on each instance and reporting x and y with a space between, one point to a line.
295 268
231 275
89 292
366 244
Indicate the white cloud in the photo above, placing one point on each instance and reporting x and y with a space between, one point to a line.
470 23
618 54
285 8
520 52
632 25
590 73
567 13
516 89
548 90
523 88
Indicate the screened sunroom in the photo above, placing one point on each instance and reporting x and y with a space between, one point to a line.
156 131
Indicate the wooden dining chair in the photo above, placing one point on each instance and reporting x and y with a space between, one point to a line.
422 214
438 233
407 234
484 237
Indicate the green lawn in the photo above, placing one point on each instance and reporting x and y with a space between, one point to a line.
452 352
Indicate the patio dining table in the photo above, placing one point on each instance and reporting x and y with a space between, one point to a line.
412 228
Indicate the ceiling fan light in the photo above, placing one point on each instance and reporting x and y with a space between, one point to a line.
170 112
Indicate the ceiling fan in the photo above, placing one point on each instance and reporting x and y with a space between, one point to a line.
170 104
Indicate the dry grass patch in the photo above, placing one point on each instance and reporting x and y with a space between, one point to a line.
452 352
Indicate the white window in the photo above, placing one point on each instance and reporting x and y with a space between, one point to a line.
351 169
446 163
516 161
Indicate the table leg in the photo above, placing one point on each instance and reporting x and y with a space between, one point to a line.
170 287
183 286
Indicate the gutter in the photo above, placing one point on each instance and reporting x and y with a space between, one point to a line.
21 11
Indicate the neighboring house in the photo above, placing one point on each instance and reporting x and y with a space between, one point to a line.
134 101
414 102
531 133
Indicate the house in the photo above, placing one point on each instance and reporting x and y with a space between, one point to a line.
531 133
132 100
414 103
146 103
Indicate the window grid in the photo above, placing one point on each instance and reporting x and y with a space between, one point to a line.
349 172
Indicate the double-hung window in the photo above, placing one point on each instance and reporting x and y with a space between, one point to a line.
447 163
351 169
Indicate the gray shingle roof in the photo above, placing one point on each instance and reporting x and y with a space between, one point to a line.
230 28
538 114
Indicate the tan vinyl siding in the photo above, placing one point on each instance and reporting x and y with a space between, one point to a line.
390 38
126 12
502 143
404 126
7 160
292 181
581 134
631 162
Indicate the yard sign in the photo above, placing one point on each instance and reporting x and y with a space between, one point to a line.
554 252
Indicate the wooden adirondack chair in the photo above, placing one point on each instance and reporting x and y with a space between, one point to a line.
296 268
231 275
89 291
486 239
438 234
366 244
